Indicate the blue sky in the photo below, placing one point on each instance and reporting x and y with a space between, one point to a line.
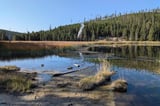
35 15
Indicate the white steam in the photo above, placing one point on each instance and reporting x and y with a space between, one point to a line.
80 30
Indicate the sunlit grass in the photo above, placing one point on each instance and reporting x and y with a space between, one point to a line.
14 82
9 69
100 78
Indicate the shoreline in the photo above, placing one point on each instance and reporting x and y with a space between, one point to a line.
60 91
81 43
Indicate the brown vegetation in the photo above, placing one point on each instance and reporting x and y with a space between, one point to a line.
119 85
9 68
100 78
13 81
77 43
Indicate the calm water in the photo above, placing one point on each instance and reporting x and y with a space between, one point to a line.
51 63
31 60
139 65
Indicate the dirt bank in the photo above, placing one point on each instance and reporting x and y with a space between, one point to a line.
60 91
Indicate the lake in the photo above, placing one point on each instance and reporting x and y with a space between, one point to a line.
139 65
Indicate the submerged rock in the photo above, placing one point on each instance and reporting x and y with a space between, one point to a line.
42 65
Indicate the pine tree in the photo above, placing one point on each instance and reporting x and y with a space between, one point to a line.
151 34
93 36
137 33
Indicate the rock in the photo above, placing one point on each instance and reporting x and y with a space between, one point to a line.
70 68
119 85
42 65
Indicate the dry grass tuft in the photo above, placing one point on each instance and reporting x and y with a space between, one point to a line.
119 85
100 78
9 68
13 81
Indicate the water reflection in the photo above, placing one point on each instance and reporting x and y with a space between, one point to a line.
143 88
140 66
135 57
141 52
22 51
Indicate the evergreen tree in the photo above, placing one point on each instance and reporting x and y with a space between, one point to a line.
151 34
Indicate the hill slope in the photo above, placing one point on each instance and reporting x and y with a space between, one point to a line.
8 35
142 26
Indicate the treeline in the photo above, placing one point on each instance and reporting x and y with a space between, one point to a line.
134 27
8 35
141 26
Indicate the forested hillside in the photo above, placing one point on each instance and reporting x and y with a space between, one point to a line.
141 26
8 35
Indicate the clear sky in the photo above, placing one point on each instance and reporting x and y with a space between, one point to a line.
35 15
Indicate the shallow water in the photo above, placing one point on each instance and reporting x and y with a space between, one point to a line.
50 63
143 87
43 60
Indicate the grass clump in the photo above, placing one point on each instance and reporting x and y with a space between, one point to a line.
119 85
100 78
18 84
9 68
88 83
13 81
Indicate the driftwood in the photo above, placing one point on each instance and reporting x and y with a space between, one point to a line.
60 74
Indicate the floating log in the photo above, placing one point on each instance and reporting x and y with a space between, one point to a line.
59 74
77 65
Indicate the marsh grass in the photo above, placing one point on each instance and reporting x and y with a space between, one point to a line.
9 69
100 78
119 85
14 82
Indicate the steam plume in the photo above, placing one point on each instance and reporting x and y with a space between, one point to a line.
80 30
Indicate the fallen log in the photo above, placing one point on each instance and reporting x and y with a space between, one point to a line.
59 74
